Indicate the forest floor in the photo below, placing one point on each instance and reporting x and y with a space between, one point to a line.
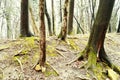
18 57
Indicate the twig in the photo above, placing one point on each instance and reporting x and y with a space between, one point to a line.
19 63
60 53
52 68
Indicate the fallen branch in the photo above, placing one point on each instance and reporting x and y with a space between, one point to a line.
19 63
52 68
60 53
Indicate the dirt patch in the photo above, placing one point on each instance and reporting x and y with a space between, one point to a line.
19 57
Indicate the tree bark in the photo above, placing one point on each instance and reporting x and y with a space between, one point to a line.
34 26
63 32
42 35
53 18
118 30
48 20
24 18
95 46
60 11
70 16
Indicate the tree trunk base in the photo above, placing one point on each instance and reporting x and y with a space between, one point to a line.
93 60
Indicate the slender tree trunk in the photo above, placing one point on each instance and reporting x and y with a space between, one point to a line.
24 25
48 20
34 26
60 11
78 26
63 32
118 30
42 35
70 16
8 17
53 18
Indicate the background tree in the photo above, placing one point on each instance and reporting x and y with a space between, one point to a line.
95 47
60 10
48 20
53 18
63 32
70 16
24 25
118 30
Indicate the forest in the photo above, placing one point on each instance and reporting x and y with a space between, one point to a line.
59 39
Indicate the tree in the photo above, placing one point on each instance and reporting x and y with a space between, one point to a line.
95 47
34 26
118 30
53 18
70 16
63 32
42 44
60 11
48 20
24 25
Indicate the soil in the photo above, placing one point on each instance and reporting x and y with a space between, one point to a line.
18 57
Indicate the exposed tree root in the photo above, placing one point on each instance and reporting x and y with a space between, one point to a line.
37 67
93 59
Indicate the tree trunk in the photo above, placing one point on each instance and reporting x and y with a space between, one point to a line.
95 47
60 11
53 22
70 16
78 26
118 30
63 32
42 35
34 26
24 25
48 20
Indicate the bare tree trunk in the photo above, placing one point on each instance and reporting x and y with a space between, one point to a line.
8 17
70 16
63 32
118 30
78 26
42 35
48 20
60 11
53 18
92 10
34 26
24 25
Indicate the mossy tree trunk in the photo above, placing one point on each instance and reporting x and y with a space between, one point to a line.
63 32
24 25
70 16
42 35
48 20
95 48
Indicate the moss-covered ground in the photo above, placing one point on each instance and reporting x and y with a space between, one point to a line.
18 57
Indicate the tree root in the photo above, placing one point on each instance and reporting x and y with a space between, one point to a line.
43 69
20 64
80 57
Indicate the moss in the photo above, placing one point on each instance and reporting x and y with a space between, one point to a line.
51 51
29 42
49 73
73 44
